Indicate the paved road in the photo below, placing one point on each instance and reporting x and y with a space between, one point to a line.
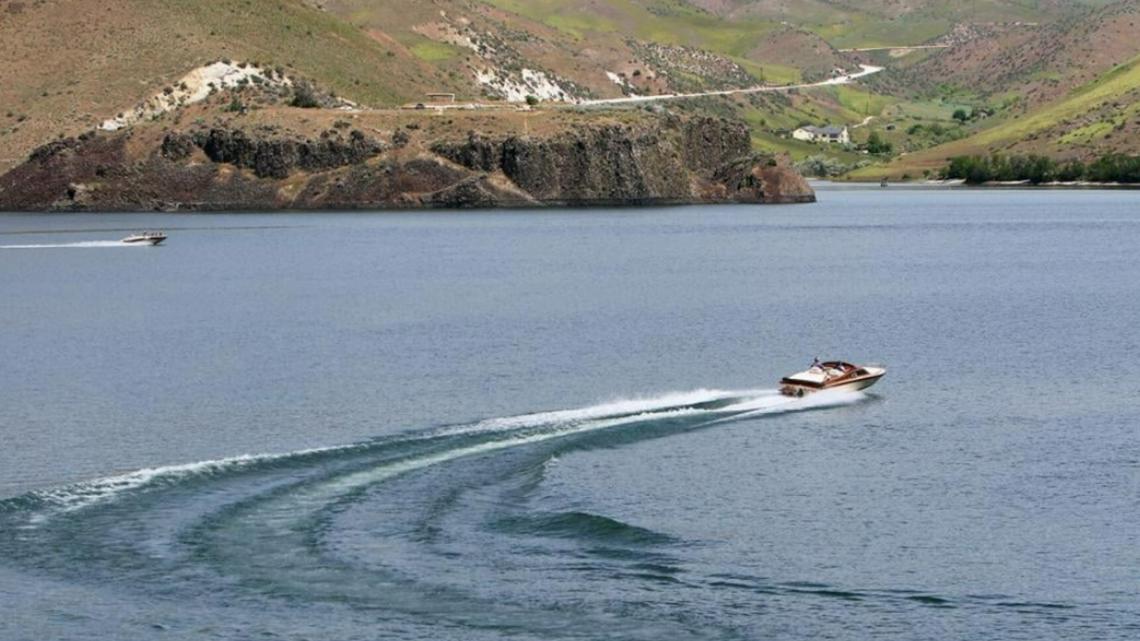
838 80
907 48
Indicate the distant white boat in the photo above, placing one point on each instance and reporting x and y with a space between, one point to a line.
831 375
144 238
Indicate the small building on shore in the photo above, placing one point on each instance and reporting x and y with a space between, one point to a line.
829 134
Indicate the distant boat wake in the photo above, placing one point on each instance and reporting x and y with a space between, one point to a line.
86 244
365 523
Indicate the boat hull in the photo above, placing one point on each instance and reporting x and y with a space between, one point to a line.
144 241
790 388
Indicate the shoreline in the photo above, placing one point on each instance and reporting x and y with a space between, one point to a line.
961 184
382 208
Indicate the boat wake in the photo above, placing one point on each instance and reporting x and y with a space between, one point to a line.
85 244
697 408
375 524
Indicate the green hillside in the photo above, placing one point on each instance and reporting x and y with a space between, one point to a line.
1099 118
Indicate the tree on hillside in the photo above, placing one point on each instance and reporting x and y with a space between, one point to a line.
1071 171
1039 169
960 115
876 144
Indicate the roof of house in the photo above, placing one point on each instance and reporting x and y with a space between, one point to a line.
830 130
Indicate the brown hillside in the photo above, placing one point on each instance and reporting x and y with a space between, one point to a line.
69 64
802 50
654 47
1043 62
972 11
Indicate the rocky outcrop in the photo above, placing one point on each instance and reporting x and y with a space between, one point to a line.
653 160
680 161
607 165
707 144
760 179
276 157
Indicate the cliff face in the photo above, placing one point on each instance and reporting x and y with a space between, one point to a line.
676 161
272 157
660 160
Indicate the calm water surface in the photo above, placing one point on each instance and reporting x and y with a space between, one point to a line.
563 424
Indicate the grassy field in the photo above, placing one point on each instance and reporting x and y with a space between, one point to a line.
671 22
886 26
871 31
315 43
432 51
771 73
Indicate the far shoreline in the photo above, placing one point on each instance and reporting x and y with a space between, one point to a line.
961 184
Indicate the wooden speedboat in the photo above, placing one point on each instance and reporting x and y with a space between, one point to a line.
831 375
151 238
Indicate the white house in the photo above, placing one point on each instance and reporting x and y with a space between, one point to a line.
830 133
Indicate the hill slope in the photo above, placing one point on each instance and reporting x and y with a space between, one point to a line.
1070 89
72 64
1041 62
1100 118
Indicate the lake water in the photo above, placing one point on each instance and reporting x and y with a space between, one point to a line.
548 425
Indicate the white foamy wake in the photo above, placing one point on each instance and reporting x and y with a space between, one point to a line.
367 477
86 244
614 408
531 428
764 402
87 493
779 404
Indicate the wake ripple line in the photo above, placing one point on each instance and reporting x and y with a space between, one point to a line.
526 429
89 493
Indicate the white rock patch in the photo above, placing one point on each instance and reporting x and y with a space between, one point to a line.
194 87
531 83
621 82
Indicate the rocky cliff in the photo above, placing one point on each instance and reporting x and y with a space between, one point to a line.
242 165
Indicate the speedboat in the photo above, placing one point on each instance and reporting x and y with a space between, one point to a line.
831 375
144 238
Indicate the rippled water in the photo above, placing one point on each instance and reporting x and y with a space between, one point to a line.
564 425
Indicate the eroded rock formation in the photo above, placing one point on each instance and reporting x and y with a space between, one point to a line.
656 160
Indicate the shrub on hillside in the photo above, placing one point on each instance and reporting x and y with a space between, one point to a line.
820 166
305 95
